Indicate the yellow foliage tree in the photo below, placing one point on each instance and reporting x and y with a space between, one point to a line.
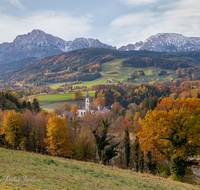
12 128
58 137
84 148
172 131
77 95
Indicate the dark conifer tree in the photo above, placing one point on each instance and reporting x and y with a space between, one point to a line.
109 153
136 153
141 162
35 106
150 164
127 147
24 104
28 106
104 154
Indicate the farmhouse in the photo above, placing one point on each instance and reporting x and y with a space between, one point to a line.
43 92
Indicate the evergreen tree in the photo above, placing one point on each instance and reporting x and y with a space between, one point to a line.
141 162
35 106
136 153
24 104
151 165
127 147
28 106
110 152
101 141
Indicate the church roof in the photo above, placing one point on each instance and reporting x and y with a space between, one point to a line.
87 94
71 115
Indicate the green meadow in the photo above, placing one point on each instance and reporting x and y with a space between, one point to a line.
26 170
51 101
123 73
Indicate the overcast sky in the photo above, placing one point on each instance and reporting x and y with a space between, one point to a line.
114 22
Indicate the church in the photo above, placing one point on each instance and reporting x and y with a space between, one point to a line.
82 112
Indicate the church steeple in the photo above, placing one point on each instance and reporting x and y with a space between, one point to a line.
87 101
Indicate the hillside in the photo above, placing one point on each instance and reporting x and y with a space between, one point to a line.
25 170
85 65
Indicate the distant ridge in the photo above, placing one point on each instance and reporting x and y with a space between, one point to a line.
39 44
166 42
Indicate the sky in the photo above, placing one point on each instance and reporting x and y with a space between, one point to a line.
114 22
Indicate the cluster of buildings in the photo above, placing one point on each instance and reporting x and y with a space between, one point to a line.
55 91
86 108
111 81
149 80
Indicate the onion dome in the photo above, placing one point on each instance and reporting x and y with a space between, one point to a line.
87 95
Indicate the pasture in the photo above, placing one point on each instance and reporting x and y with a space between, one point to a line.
51 101
123 73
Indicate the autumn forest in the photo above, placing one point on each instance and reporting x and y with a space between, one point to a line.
146 126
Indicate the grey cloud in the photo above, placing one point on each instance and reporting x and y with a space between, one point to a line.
179 17
59 24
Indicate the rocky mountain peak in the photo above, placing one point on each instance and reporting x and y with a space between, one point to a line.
39 44
166 42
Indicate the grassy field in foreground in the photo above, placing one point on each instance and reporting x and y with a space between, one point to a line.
25 170
51 101
123 73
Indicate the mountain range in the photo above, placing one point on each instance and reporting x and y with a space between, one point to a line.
166 42
37 44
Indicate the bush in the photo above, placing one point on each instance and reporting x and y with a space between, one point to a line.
163 170
161 73
50 161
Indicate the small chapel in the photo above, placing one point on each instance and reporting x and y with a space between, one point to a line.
81 112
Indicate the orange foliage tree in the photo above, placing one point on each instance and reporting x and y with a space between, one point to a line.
74 110
116 107
172 131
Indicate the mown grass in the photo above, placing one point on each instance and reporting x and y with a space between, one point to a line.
51 101
45 172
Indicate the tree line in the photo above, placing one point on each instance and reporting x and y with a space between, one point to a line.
137 136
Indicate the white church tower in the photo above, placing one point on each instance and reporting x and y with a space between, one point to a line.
81 113
87 101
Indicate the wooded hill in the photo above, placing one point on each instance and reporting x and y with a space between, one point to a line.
85 64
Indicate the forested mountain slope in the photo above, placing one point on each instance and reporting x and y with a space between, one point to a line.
85 65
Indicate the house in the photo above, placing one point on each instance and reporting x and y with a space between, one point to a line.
60 91
102 110
69 114
43 92
113 80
